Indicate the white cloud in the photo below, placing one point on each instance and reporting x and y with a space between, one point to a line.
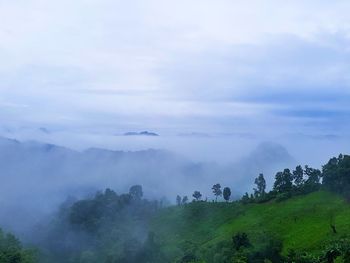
194 63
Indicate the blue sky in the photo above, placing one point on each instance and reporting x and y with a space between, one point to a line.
250 67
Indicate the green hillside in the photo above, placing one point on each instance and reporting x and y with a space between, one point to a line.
305 218
301 223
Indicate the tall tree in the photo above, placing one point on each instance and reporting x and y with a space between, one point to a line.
227 193
217 191
283 181
260 183
298 176
136 192
336 175
184 200
178 200
312 182
197 195
245 198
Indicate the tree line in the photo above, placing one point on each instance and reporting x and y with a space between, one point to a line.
334 176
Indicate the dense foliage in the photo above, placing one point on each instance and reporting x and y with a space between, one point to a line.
11 250
105 228
336 174
297 221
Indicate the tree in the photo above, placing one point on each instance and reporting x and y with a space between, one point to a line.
197 195
260 182
245 198
240 240
283 181
184 200
178 200
312 182
227 193
335 174
11 250
298 176
217 191
136 192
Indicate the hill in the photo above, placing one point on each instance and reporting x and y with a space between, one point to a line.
35 171
112 228
301 223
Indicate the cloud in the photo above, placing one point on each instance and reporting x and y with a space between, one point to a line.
175 66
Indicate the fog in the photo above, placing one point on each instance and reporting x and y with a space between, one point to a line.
41 174
232 89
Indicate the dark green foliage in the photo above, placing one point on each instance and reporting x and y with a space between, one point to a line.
312 183
135 251
136 192
217 191
197 195
240 240
301 257
260 183
245 198
283 196
241 250
106 228
227 193
336 174
90 213
269 249
298 176
11 250
283 181
337 249
189 257
184 200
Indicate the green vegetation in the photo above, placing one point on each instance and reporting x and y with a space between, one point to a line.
11 250
304 218
302 223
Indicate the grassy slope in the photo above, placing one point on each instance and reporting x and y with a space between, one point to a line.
300 222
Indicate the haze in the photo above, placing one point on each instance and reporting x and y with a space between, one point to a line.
224 68
220 82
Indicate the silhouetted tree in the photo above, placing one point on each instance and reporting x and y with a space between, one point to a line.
227 193
260 182
335 175
184 200
136 192
312 183
197 195
217 191
283 181
298 176
178 200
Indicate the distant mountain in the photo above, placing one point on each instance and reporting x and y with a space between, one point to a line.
143 133
266 158
43 173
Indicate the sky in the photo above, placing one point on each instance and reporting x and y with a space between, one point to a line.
250 69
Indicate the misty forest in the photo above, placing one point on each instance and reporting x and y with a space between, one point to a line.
187 131
303 216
